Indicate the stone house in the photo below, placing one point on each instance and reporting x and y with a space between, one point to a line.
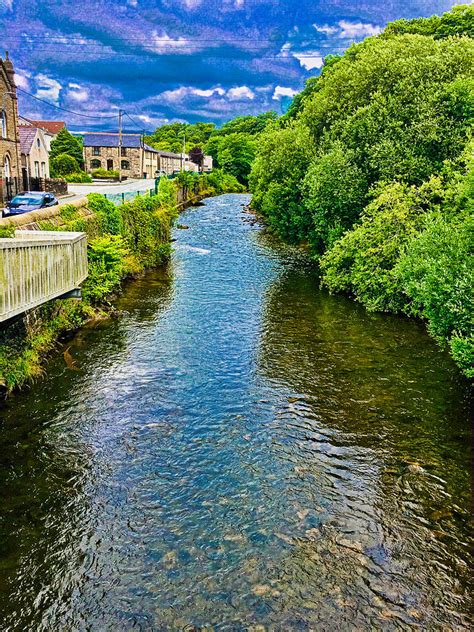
34 153
10 165
131 158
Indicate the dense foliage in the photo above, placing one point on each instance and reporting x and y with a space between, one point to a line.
231 146
66 143
371 165
63 165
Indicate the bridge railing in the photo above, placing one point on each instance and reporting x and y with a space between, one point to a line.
38 266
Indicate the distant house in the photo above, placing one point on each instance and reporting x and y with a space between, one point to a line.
207 163
127 154
50 129
34 153
10 167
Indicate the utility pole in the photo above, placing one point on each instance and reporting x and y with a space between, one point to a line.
183 153
120 115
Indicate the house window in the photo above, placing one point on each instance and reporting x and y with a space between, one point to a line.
96 164
38 142
43 170
37 169
123 151
96 151
125 164
3 124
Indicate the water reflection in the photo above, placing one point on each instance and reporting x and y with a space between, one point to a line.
239 450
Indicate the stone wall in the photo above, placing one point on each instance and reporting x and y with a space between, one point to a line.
9 146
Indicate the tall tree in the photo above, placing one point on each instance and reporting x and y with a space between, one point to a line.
66 143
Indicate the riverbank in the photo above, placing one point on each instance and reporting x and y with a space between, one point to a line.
123 242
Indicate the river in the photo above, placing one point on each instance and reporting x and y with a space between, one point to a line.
239 451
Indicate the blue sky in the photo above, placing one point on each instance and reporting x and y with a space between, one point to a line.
184 60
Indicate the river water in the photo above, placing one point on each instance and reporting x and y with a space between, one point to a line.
240 451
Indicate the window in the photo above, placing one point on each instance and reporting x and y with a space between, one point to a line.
7 167
3 124
38 142
125 164
96 151
37 169
43 170
96 164
123 151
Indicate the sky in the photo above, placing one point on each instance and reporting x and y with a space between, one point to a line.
179 60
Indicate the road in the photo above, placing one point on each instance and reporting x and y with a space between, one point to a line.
80 190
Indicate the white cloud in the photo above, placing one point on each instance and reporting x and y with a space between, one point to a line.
353 30
326 29
281 91
165 44
78 92
6 5
310 59
47 88
21 80
132 3
239 4
176 95
242 92
192 4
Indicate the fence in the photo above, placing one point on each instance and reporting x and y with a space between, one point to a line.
121 198
37 266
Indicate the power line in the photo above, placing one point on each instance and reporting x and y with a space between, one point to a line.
58 107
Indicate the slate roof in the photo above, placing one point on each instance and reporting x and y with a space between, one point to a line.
53 127
97 139
168 154
27 137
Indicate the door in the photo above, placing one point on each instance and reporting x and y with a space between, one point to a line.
110 164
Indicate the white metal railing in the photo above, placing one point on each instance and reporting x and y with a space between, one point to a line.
38 266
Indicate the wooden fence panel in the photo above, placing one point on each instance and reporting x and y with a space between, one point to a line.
38 266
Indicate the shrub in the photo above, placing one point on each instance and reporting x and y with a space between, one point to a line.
436 272
107 256
106 211
63 164
102 173
362 262
79 177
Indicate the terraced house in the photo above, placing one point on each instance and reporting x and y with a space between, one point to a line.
10 165
126 153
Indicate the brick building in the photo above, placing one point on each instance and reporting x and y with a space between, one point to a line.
132 157
10 164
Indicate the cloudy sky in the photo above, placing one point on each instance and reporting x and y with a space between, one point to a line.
187 60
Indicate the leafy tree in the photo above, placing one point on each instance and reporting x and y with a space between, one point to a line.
63 164
235 155
459 21
196 155
66 143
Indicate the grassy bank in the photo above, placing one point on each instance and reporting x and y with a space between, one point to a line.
372 167
123 242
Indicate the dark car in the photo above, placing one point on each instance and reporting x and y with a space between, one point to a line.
30 201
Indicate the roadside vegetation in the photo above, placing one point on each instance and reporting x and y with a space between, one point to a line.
123 241
372 167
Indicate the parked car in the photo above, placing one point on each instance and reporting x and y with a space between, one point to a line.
30 201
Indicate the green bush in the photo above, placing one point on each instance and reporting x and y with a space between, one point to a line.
103 173
436 272
79 177
108 214
107 256
63 164
362 262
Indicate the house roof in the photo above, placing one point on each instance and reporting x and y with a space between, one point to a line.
168 154
27 138
101 139
52 127
152 149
